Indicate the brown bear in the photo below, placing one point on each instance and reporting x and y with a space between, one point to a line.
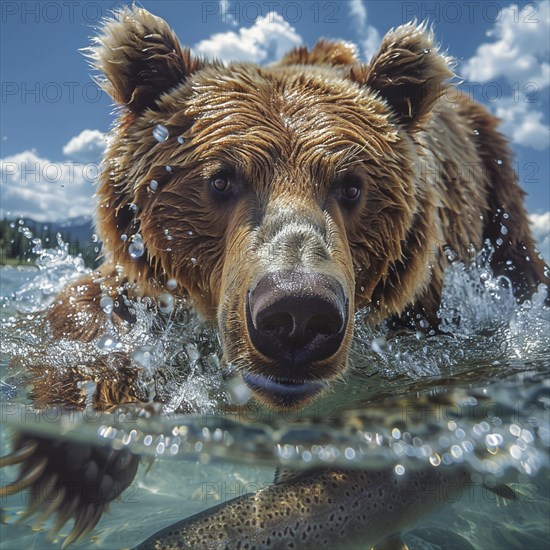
278 200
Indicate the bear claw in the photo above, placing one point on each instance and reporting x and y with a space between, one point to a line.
68 480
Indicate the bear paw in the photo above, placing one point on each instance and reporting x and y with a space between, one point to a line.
67 479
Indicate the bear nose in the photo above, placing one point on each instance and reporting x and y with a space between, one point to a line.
297 317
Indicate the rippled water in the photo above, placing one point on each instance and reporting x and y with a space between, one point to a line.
480 396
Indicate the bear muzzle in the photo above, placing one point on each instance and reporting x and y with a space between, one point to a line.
295 319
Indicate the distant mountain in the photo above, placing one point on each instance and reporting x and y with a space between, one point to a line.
16 246
79 220
72 229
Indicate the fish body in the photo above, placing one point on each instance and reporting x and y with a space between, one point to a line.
317 509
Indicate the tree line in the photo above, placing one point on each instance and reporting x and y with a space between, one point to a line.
16 242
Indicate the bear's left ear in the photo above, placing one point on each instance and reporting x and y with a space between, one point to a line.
140 57
408 71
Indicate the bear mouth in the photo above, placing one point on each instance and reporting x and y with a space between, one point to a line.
283 392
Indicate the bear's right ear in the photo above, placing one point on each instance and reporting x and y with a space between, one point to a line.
140 57
409 72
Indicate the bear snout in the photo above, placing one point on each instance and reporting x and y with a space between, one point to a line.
296 318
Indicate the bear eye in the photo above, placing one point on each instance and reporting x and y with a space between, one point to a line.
351 192
350 189
221 183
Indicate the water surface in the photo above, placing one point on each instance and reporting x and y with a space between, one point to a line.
479 395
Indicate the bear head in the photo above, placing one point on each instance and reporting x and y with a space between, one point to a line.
279 199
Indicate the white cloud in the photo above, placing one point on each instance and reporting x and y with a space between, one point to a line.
358 12
227 12
369 37
518 54
519 51
540 227
32 186
88 146
523 124
268 39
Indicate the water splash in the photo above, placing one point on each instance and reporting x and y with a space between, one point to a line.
57 269
480 322
482 381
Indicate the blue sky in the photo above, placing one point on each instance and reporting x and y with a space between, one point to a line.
53 116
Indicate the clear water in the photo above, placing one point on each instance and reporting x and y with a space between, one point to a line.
480 396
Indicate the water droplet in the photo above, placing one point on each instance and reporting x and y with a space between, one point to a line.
194 261
237 391
166 303
424 323
153 185
399 469
516 452
493 440
190 233
181 140
503 229
450 254
94 238
456 452
426 50
160 133
133 207
107 342
499 242
171 284
498 161
193 353
527 436
136 249
349 453
168 168
379 344
505 216
435 459
106 304
142 356
124 237
476 132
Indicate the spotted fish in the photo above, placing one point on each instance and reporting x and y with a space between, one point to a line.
317 509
